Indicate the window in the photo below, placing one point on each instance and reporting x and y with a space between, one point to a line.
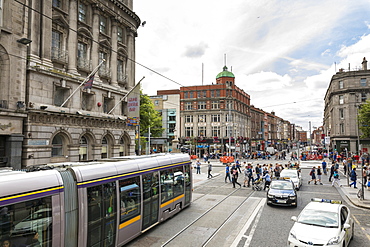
229 104
103 24
229 118
120 71
56 41
216 131
1 12
121 147
341 113
171 128
188 105
150 199
191 95
82 12
363 82
119 34
363 97
341 128
129 198
202 118
60 95
107 104
103 70
341 99
341 84
202 131
81 52
57 149
101 214
202 105
172 118
87 101
215 105
104 148
188 118
83 148
186 95
216 118
218 93
23 221
57 3
189 131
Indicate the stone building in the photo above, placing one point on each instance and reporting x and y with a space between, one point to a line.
69 39
346 92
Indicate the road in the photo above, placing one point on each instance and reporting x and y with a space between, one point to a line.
223 216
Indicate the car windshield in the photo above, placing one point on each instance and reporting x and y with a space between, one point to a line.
319 218
281 185
292 174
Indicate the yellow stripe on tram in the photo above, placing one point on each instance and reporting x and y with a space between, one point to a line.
129 222
171 201
30 193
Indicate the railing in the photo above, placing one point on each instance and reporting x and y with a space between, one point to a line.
58 54
83 64
104 72
4 104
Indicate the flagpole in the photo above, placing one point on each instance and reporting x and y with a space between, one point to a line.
88 77
124 97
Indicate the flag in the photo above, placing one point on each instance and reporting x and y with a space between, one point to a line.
133 102
88 84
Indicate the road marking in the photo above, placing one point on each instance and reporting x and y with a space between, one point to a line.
363 229
255 215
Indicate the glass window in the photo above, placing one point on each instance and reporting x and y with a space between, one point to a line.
130 197
57 149
341 127
82 12
215 105
122 147
166 181
188 118
56 40
189 131
120 71
104 148
341 84
81 51
172 118
216 118
60 95
150 199
202 118
229 118
186 95
218 93
341 113
178 181
202 131
156 102
119 34
103 24
87 101
341 99
107 104
57 3
216 131
27 223
201 105
188 105
83 148
191 95
363 82
101 215
363 97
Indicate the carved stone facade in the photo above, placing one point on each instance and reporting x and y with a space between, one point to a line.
70 38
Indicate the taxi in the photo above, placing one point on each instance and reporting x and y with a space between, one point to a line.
322 222
282 192
294 175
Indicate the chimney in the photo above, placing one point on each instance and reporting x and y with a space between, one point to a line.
364 64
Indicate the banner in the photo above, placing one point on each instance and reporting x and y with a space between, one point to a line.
133 103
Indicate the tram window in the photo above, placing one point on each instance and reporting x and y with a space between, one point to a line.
27 223
178 183
130 198
101 215
166 185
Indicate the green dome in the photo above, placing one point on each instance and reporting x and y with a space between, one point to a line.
225 73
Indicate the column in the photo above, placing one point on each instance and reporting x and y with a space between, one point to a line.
45 32
113 56
35 19
95 43
72 37
131 55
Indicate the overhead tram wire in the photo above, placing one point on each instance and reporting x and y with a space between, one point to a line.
294 102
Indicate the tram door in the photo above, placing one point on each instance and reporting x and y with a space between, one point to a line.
150 199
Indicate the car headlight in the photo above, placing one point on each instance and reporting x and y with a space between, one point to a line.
334 240
292 197
270 196
292 234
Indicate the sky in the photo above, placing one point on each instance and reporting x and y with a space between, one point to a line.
283 53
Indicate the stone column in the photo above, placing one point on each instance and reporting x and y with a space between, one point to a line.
113 56
46 35
35 19
131 55
14 150
95 43
72 37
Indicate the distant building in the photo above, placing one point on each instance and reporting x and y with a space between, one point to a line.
346 92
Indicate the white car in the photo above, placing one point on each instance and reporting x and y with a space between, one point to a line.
293 175
322 223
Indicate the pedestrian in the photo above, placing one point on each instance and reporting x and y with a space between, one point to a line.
250 175
324 167
313 175
267 180
198 166
277 171
245 171
237 164
258 171
336 178
345 166
364 176
209 170
332 168
353 178
235 174
319 175
227 171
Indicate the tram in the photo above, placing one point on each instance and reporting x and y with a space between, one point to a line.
101 203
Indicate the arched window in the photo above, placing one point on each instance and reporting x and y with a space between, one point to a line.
83 148
121 147
57 143
104 148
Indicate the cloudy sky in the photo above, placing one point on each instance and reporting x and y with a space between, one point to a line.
283 53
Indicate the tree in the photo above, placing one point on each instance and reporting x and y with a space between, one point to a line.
149 117
364 119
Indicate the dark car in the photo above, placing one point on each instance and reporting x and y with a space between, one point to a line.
282 192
